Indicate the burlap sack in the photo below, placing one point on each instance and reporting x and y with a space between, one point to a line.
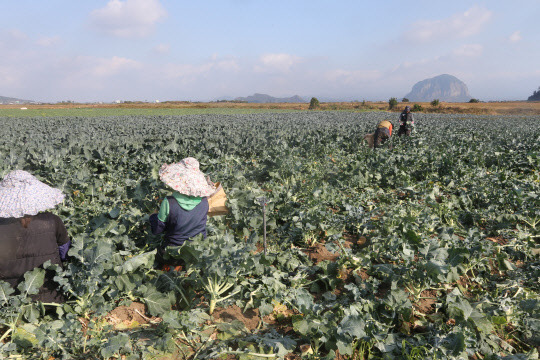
216 202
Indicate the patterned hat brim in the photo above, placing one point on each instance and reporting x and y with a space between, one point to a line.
185 180
29 197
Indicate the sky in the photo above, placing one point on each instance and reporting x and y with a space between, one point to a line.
147 50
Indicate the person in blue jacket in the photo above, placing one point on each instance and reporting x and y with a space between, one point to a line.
182 215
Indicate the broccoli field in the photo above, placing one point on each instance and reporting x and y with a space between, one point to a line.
425 249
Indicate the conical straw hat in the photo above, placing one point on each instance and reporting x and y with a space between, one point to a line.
186 178
22 194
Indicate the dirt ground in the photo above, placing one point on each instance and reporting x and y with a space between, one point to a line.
319 252
498 239
250 318
134 315
427 306
487 108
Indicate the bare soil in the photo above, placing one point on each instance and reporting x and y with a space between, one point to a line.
250 318
347 244
347 275
129 316
468 286
281 321
319 252
498 239
489 108
427 306
360 241
291 356
260 248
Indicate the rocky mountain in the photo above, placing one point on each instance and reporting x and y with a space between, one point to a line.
443 87
9 100
535 96
263 98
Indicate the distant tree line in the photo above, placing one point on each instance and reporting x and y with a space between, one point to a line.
535 96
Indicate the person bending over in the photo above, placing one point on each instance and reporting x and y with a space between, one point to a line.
29 235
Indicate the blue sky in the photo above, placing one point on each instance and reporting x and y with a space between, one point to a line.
150 50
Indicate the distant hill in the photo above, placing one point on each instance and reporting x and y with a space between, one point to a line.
443 87
263 98
8 100
535 96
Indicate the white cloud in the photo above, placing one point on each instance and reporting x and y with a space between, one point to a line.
277 62
48 41
162 48
191 72
14 46
515 37
227 65
129 18
8 78
469 50
460 25
349 77
16 34
411 64
105 67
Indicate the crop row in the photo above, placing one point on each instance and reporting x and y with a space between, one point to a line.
427 249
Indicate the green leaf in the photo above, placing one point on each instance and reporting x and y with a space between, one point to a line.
303 300
124 283
5 291
145 260
33 280
24 336
282 345
265 308
353 326
436 269
31 312
171 319
412 237
481 321
115 344
456 343
498 320
300 325
344 348
100 252
460 309
157 302
114 213
507 265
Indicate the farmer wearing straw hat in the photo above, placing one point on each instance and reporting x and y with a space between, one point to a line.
383 133
29 236
182 215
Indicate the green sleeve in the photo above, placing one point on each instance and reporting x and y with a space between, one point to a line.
163 211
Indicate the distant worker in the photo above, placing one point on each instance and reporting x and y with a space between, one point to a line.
182 215
383 133
30 236
406 122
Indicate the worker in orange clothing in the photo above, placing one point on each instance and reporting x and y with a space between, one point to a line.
383 133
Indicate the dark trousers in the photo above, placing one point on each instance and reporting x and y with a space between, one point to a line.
380 137
403 130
